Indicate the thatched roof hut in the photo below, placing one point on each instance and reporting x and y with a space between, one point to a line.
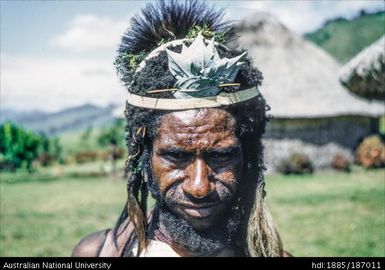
300 79
312 111
364 75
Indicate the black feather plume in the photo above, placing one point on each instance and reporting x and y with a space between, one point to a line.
168 20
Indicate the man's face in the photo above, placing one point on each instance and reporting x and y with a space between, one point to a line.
197 162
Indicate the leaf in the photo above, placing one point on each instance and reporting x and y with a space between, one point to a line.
199 69
204 92
178 64
194 84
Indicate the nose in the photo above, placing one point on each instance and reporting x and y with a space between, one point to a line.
197 184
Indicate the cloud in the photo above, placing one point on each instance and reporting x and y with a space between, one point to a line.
90 32
30 82
302 16
312 15
250 4
298 16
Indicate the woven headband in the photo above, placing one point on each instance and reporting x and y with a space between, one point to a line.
200 73
223 99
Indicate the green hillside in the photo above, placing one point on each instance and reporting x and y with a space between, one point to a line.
345 38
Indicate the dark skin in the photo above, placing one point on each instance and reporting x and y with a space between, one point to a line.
197 162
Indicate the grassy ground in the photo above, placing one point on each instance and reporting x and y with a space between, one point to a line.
327 214
46 214
330 214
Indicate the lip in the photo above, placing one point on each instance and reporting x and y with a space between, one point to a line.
201 210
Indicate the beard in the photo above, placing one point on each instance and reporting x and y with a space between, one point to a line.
208 242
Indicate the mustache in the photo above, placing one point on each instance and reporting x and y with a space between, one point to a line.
175 195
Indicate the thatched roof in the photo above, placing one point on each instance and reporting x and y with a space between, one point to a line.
364 75
300 79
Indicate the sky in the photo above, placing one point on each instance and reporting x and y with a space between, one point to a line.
59 54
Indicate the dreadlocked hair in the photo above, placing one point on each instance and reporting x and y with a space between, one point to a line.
257 235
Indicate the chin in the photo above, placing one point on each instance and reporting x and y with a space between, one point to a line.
201 223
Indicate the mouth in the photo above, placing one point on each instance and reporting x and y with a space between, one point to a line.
200 210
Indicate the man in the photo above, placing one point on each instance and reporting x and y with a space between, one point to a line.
195 119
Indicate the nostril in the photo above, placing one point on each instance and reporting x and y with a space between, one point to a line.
198 191
198 184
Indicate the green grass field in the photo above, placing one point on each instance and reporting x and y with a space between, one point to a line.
329 213
326 214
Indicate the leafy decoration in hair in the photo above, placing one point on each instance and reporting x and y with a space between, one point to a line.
163 21
199 70
133 60
219 36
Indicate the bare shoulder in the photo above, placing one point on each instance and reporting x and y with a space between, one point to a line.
287 254
90 245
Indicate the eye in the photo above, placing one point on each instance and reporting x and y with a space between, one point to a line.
219 155
223 155
177 156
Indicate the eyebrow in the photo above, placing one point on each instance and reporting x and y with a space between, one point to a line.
221 150
173 150
224 150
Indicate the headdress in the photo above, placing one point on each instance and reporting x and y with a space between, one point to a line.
203 79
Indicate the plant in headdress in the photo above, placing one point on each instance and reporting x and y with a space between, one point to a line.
132 59
200 71
160 22
219 36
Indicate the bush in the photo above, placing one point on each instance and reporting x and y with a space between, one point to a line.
114 135
297 163
45 159
86 156
371 152
104 155
18 147
341 163
118 153
50 151
5 165
114 153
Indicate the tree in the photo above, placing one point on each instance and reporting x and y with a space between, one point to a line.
50 150
85 138
114 138
113 135
18 147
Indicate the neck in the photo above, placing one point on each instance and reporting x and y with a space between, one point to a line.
161 234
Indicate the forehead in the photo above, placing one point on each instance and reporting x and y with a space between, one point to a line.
197 129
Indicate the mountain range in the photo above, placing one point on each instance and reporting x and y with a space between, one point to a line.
70 119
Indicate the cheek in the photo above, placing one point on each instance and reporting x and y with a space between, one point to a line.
229 172
230 178
164 173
